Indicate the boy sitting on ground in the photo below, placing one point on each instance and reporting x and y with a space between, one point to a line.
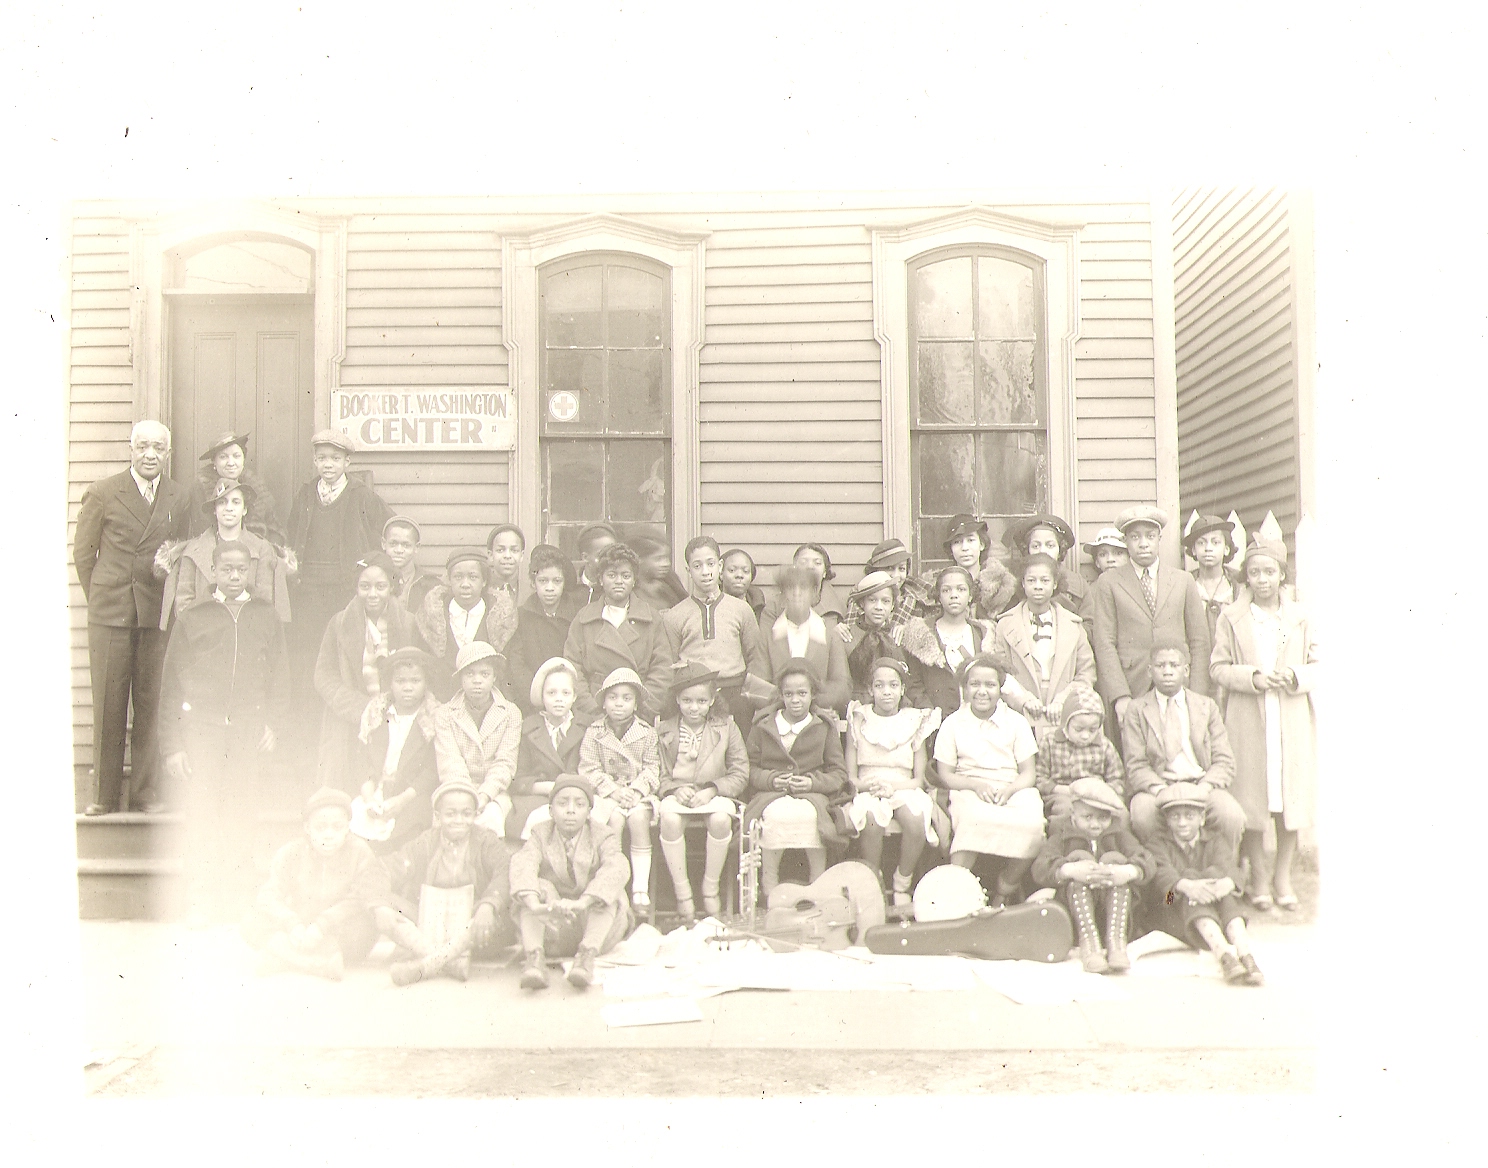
315 912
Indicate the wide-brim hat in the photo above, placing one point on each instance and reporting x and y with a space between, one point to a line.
1181 795
1142 513
1016 536
888 554
622 676
473 652
407 655
690 673
222 488
452 786
870 584
333 438
1204 525
222 442
963 525
540 678
327 797
1110 537
1096 793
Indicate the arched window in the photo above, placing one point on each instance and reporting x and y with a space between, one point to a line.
605 341
979 412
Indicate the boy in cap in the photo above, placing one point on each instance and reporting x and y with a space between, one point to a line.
456 612
334 523
1106 551
1138 604
453 881
1095 863
223 702
401 537
1196 885
1075 749
315 912
477 733
620 755
1171 734
568 887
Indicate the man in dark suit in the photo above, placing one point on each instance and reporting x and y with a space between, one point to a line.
1138 604
124 520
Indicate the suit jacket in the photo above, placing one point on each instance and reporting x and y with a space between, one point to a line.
1125 629
1072 661
114 548
722 761
538 761
1142 742
600 868
640 643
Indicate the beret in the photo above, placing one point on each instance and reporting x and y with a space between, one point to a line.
1267 547
327 797
1019 531
333 438
688 673
1142 514
1096 793
461 555
1181 795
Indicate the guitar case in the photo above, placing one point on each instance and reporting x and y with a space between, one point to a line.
1022 932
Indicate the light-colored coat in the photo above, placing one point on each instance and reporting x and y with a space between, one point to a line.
192 577
484 755
1233 670
722 761
1073 660
600 868
1125 629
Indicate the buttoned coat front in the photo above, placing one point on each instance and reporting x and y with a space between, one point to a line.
1143 751
1125 629
598 648
1233 665
114 548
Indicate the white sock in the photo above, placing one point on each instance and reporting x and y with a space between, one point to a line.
675 852
640 870
902 880
717 853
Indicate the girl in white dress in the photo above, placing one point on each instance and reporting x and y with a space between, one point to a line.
886 760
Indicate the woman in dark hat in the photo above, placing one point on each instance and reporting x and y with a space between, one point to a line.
969 545
1210 540
1048 535
227 458
191 578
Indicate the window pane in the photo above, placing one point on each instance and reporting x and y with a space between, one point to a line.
581 373
571 302
946 390
1011 475
1005 290
637 309
640 474
575 481
941 298
636 400
946 473
1005 370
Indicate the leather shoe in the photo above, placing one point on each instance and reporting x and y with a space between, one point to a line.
1253 974
153 807
1233 970
97 809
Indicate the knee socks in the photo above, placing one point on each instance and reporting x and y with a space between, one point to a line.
717 853
675 852
640 869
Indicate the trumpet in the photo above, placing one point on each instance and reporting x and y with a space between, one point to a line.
750 860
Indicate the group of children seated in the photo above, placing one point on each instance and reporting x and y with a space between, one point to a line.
496 754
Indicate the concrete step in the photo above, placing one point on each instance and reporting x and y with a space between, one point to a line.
128 834
130 888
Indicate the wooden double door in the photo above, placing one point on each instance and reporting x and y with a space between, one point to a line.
244 363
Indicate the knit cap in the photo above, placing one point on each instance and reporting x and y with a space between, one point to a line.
577 782
1080 699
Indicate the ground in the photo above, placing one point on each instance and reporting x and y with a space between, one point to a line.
172 1012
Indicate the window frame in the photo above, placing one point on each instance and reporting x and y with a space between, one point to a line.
521 257
1054 246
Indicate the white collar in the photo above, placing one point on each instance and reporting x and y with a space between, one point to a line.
146 486
786 727
241 598
1152 567
332 493
1177 697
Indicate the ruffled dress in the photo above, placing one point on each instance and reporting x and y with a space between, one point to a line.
885 748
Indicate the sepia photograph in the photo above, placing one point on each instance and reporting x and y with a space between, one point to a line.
640 582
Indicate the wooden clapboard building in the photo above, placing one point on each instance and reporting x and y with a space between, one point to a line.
1243 304
768 368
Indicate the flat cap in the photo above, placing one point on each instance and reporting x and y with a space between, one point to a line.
1096 793
333 438
1181 795
1142 513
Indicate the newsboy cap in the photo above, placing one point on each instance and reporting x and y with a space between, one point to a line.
333 438
1096 793
1142 513
1181 795
327 797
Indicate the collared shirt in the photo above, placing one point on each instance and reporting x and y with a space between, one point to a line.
1186 764
558 731
146 486
329 495
1149 572
799 636
1041 636
790 731
241 598
465 623
615 616
398 727
986 748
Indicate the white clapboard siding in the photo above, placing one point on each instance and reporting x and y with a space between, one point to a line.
1235 349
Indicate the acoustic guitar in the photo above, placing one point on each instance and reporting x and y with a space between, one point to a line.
833 911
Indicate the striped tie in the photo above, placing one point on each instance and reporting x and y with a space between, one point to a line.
1149 589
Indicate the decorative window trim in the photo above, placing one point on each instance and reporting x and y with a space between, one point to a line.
150 240
893 250
521 257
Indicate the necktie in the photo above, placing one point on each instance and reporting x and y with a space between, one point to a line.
149 492
1172 731
1149 589
556 734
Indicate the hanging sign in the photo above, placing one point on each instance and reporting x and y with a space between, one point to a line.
434 418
